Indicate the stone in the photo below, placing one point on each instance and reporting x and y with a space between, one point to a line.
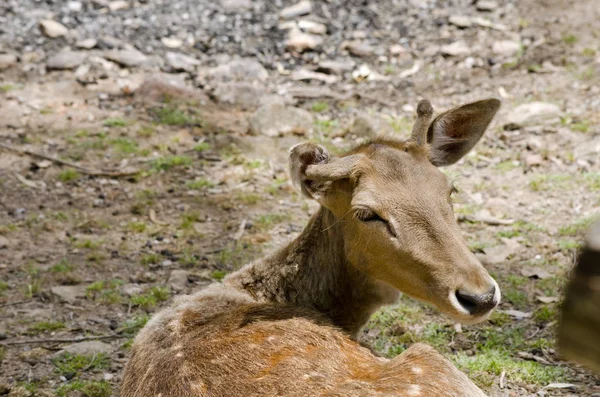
299 41
181 63
312 27
308 75
65 60
302 8
397 49
53 29
506 47
242 94
109 42
35 355
132 289
458 48
87 348
4 242
369 126
240 69
178 280
358 48
498 254
276 119
69 293
86 44
160 86
126 57
118 5
519 315
75 6
236 5
461 21
486 5
533 159
336 67
8 60
533 113
172 42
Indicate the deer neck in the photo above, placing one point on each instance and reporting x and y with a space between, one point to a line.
313 272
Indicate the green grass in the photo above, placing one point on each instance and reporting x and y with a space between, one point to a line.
319 107
518 229
173 116
3 287
124 145
218 275
248 198
569 39
576 227
89 388
267 221
582 126
134 325
137 227
150 298
201 147
46 326
168 162
149 259
568 244
69 364
188 219
507 165
7 87
68 175
545 314
105 291
115 122
199 184
61 267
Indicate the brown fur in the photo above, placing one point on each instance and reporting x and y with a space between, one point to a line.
283 325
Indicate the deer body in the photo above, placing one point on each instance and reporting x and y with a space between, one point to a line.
285 324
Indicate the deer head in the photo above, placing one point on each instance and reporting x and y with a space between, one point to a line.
394 208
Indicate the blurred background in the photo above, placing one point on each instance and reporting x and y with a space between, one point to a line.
144 152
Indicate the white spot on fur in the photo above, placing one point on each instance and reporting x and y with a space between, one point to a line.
414 390
271 338
417 370
180 354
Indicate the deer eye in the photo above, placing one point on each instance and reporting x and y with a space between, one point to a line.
367 215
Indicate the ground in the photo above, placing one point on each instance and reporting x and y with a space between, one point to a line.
191 195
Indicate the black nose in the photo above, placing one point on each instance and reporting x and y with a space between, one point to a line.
477 304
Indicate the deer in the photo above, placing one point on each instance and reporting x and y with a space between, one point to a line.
287 324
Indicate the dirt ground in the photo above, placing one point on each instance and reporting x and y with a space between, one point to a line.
158 189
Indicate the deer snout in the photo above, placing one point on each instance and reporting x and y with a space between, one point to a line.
477 304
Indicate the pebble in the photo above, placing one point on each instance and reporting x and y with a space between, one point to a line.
299 41
533 113
86 44
181 63
461 21
75 6
276 119
68 293
7 60
118 5
506 47
397 49
171 42
87 348
458 48
4 242
240 69
302 8
242 94
236 5
486 5
65 60
53 29
336 67
126 57
358 48
312 27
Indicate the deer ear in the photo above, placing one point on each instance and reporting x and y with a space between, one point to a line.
312 169
453 133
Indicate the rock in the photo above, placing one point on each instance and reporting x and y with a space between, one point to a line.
35 355
126 57
172 42
499 253
86 44
308 75
240 69
486 5
87 348
109 42
458 48
181 63
369 126
52 28
236 5
69 293
75 6
299 42
7 60
548 299
4 387
178 280
118 5
519 315
535 272
358 48
160 87
240 94
132 289
398 49
276 119
336 67
506 47
302 8
534 113
532 160
4 242
461 21
65 60
312 27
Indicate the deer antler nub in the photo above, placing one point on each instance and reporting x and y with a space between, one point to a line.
424 115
